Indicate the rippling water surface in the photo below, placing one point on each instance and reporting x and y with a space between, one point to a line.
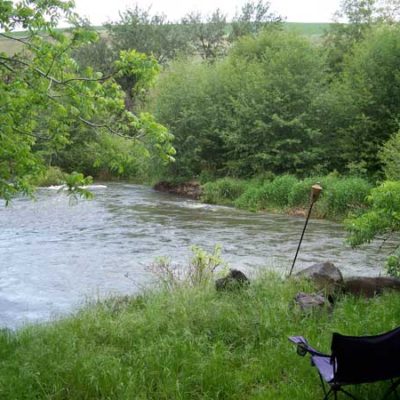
54 255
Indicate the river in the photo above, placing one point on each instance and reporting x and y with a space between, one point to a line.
55 256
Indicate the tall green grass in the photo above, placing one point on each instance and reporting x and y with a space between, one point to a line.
284 193
223 191
190 343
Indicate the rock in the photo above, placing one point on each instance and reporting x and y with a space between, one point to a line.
326 276
309 302
370 286
191 189
234 280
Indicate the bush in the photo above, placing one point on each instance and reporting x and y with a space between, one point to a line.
268 194
280 189
223 191
344 195
250 199
52 176
299 196
381 218
390 157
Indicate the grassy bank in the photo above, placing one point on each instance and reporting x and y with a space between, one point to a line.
192 343
288 194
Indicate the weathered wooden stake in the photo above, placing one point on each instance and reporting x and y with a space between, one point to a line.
315 192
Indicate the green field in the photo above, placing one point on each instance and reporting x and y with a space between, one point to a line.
307 29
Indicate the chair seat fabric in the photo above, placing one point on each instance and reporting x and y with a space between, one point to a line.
325 367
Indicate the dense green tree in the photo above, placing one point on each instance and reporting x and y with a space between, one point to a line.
249 113
45 97
352 21
390 157
207 35
278 75
361 109
253 18
147 33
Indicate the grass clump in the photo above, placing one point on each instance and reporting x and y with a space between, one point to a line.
340 195
188 343
223 191
51 176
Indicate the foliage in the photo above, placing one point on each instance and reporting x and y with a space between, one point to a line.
76 185
51 176
223 191
340 195
191 343
200 271
343 196
359 111
390 157
393 265
255 16
249 113
48 102
341 37
382 217
146 33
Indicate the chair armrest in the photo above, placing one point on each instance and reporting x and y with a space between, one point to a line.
303 347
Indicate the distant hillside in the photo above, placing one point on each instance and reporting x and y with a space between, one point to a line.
313 30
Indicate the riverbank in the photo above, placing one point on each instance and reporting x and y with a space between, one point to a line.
190 343
283 194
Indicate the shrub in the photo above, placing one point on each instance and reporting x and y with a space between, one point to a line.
381 218
344 195
52 176
299 196
279 190
250 199
223 191
200 270
268 194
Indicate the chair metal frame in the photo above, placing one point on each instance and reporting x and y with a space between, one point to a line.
327 367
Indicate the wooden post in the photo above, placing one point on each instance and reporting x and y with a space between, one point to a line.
315 192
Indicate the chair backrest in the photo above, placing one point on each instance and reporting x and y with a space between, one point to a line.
362 359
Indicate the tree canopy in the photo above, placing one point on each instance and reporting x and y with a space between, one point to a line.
47 100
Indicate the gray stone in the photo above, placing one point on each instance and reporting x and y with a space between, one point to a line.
234 280
309 302
326 276
370 286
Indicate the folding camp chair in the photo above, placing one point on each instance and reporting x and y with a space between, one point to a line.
355 360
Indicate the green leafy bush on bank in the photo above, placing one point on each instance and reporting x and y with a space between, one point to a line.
340 194
223 191
189 343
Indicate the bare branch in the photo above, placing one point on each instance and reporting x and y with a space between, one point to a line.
46 76
114 132
20 40
31 134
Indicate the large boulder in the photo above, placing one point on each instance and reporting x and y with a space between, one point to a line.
370 286
326 276
235 279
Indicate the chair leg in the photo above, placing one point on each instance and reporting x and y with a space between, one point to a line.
348 393
323 386
327 394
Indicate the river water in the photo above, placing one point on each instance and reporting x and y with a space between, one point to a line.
54 255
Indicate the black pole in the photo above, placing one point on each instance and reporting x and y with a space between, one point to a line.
302 234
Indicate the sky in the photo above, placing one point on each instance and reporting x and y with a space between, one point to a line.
100 11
